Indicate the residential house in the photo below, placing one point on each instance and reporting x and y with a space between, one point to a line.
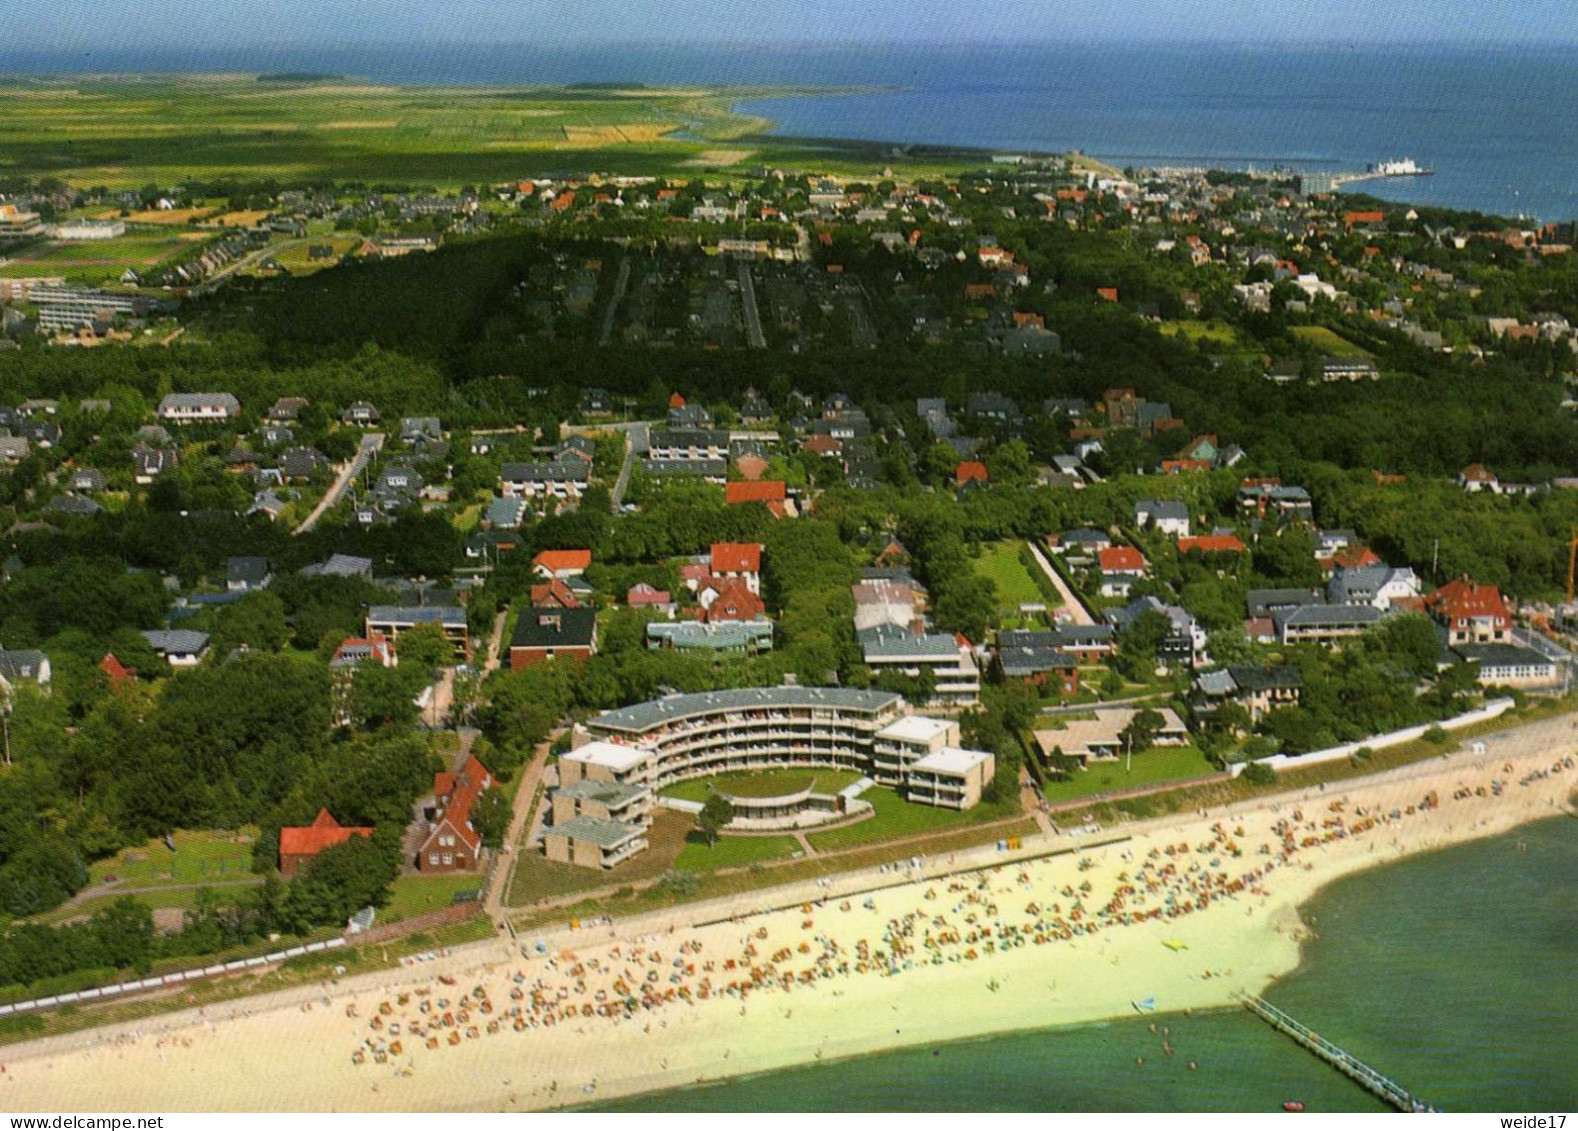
86 480
1477 477
1258 688
1121 567
1324 624
148 463
556 479
546 634
180 648
645 596
23 665
562 564
360 414
1101 738
1470 612
737 560
1378 585
199 408
392 620
1168 516
730 600
968 472
452 843
300 846
771 493
948 659
1185 643
244 574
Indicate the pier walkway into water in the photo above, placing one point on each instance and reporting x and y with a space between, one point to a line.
1356 1070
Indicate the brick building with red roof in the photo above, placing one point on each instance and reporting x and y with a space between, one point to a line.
300 845
452 843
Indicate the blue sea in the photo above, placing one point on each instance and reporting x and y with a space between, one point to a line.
1499 126
1453 973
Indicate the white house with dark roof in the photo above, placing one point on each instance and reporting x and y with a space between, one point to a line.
199 408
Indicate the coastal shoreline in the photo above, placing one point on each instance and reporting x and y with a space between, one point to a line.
1195 961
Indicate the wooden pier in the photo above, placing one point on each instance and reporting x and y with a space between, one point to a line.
1384 1088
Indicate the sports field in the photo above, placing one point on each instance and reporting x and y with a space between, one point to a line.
93 262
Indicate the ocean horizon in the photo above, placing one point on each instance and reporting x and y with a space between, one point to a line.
1499 125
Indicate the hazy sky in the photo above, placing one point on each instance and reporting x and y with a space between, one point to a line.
46 24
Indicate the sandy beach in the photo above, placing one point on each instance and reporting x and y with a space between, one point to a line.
1181 913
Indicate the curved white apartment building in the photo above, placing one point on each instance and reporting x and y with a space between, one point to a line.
651 745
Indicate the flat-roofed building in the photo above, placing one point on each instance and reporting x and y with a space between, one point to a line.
948 660
952 778
901 744
762 728
606 800
392 620
593 842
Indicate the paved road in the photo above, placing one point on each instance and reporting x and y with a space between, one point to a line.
637 437
620 282
370 444
1076 608
753 318
213 282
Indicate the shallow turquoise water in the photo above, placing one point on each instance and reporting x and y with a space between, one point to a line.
1453 973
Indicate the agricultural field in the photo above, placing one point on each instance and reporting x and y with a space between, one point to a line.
1329 341
126 132
95 262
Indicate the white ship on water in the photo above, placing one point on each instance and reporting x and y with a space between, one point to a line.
1402 167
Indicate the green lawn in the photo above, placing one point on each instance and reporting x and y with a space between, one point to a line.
1212 333
769 783
1160 764
416 895
200 856
95 261
896 817
1329 341
733 852
1000 562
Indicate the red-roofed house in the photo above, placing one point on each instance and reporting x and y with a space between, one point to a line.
825 446
761 491
452 843
299 846
1108 293
969 471
554 594
1121 567
740 561
1472 613
730 600
676 400
645 596
561 563
1211 544
695 575
117 672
